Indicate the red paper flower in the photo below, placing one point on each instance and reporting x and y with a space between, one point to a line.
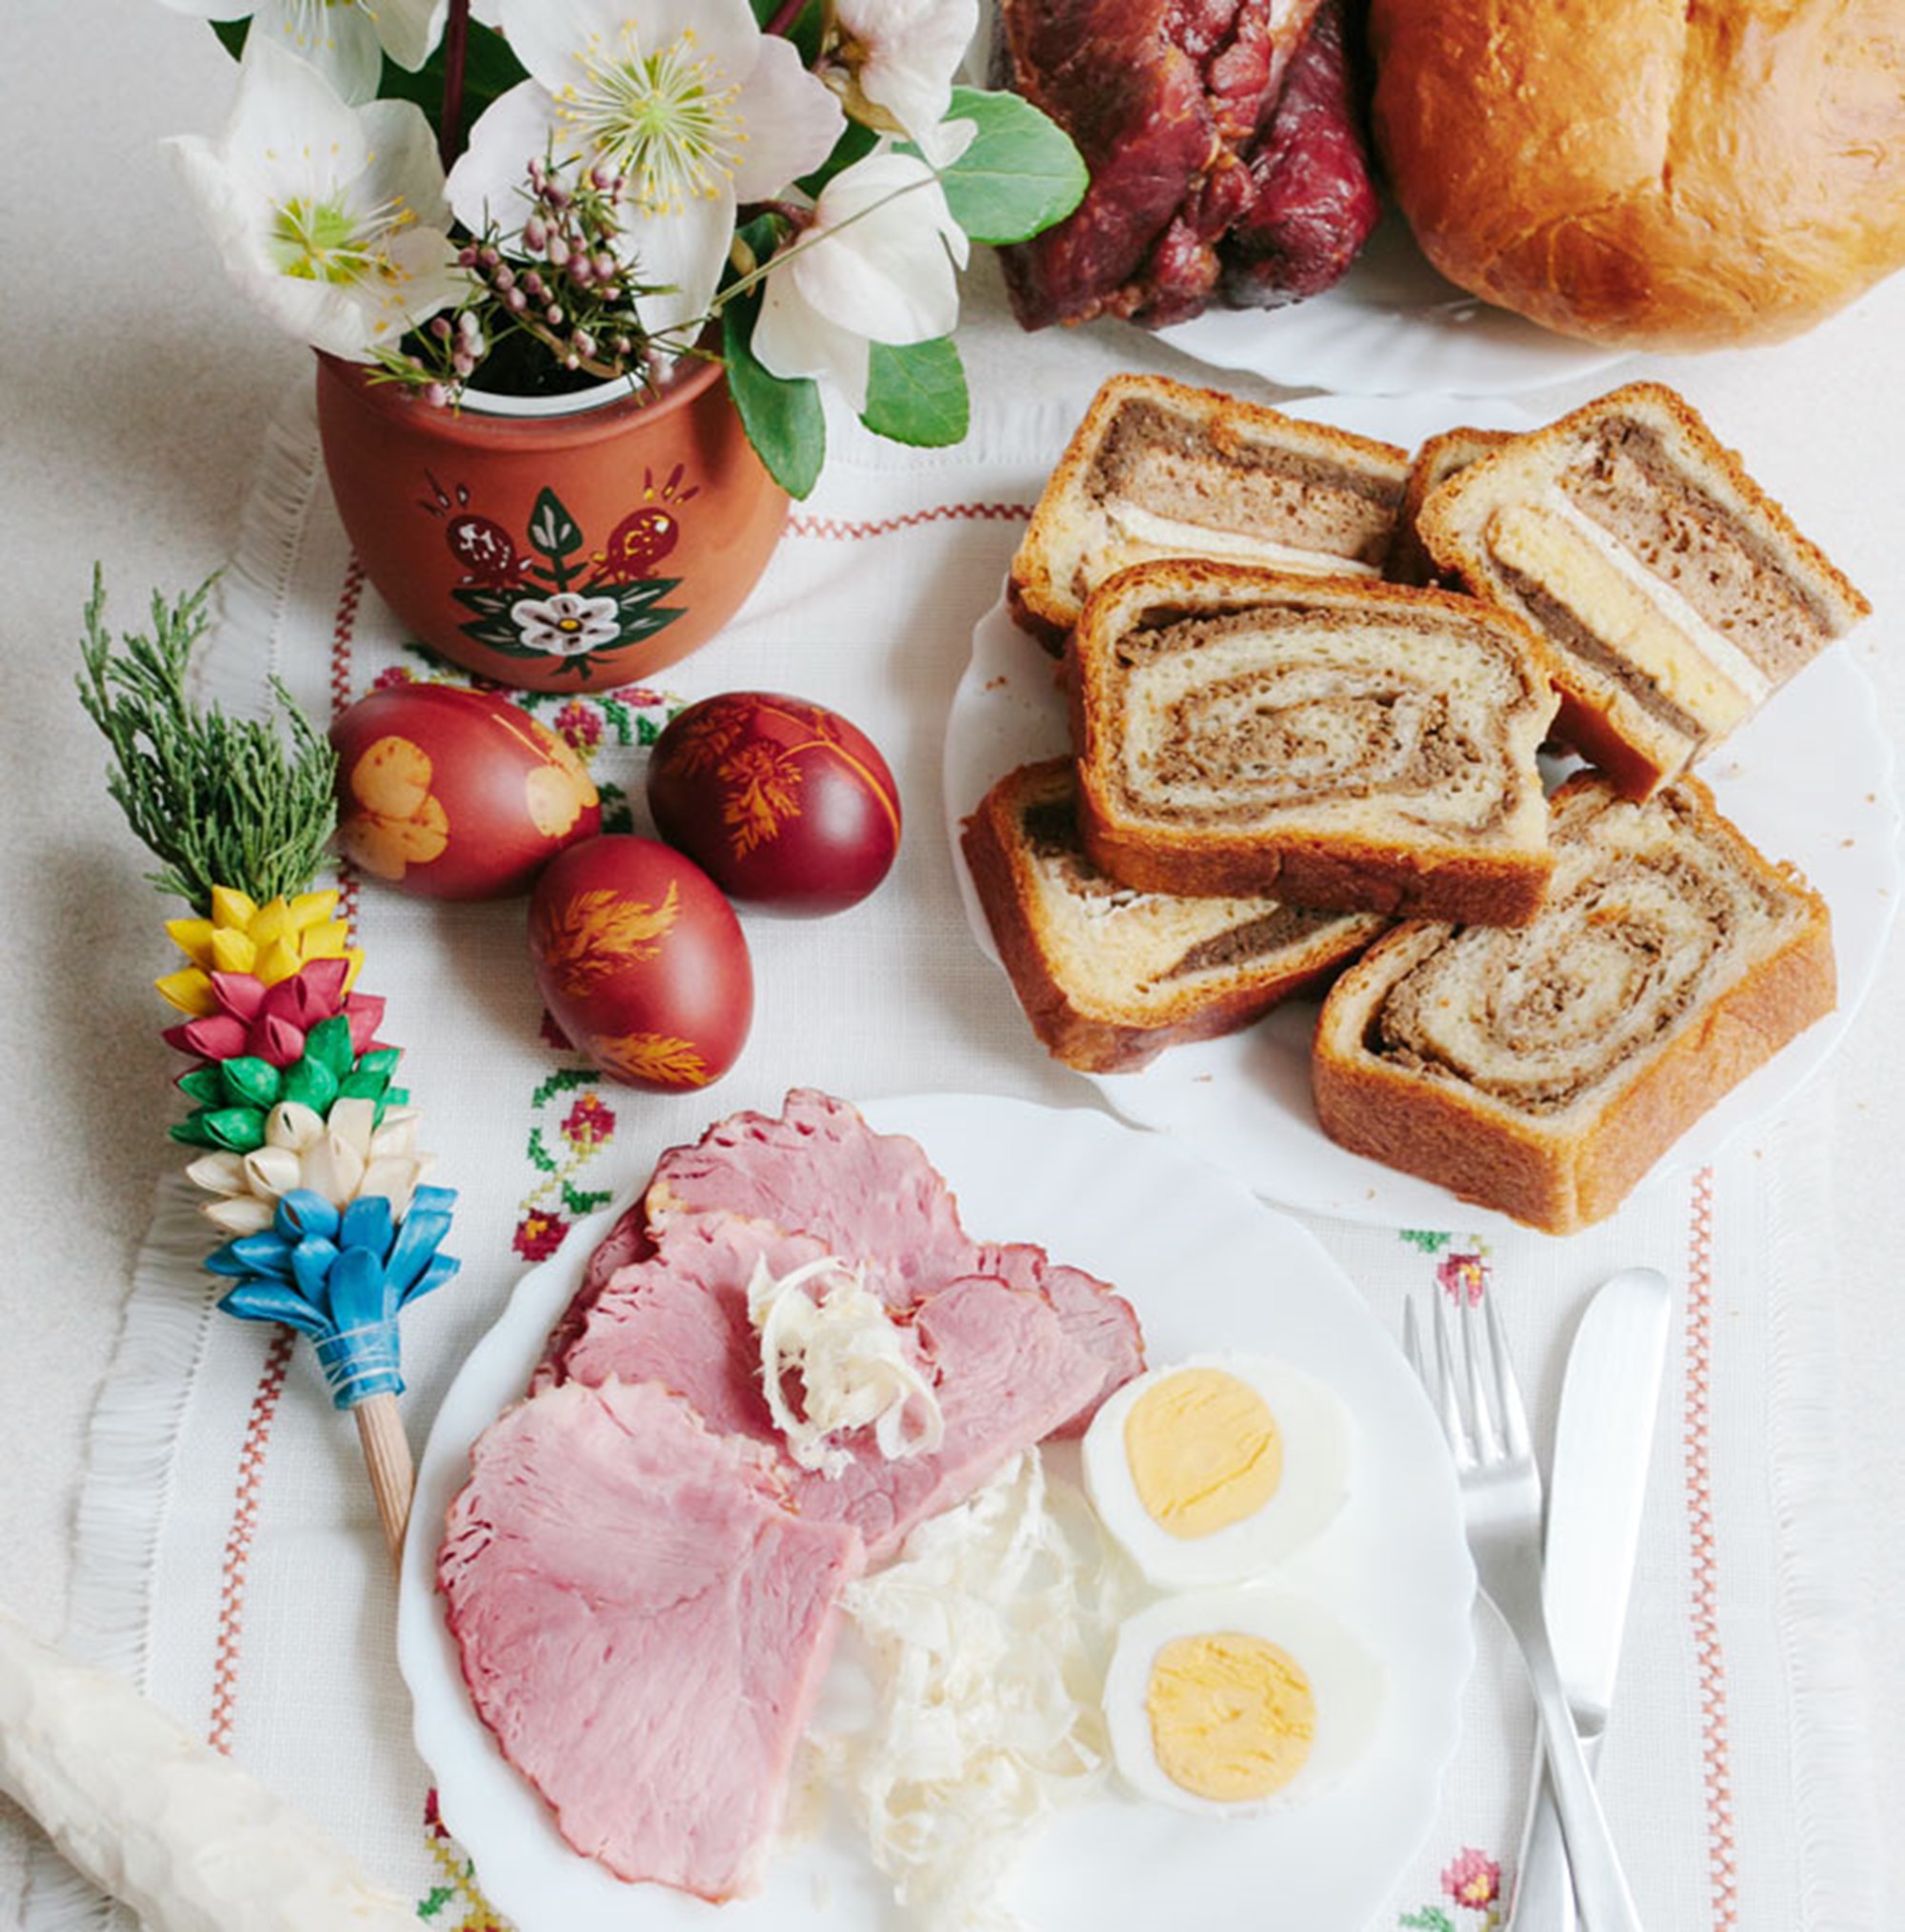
270 1022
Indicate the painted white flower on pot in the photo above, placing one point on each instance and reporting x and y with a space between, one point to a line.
341 1156
686 101
568 624
880 264
346 40
330 218
904 54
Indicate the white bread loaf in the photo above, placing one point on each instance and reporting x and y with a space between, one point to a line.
1646 172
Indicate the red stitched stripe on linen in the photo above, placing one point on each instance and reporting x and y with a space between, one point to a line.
835 530
342 630
238 1536
1696 1440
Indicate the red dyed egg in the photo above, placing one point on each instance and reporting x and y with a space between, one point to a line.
783 802
641 962
454 793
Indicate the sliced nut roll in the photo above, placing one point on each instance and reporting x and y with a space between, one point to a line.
1357 747
1543 1071
1110 977
1160 470
1678 596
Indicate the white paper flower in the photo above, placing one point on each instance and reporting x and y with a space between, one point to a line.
906 54
346 40
879 265
343 1156
686 100
330 218
568 624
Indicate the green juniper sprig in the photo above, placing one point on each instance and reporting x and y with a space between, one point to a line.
219 801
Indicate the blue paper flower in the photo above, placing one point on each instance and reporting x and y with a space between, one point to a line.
342 1278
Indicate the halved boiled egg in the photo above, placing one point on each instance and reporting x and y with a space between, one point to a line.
1238 1701
1215 1469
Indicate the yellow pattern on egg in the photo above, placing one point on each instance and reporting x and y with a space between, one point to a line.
1204 1451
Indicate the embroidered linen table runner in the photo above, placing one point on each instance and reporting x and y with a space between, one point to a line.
228 1555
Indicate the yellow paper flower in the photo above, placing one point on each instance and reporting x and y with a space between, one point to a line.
270 942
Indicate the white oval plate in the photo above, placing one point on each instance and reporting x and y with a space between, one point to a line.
1391 327
1207 1266
1810 781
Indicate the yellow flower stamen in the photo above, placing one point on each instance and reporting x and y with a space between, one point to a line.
665 120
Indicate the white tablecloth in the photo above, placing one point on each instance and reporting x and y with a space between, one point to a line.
135 397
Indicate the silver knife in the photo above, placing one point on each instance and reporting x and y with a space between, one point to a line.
1602 1441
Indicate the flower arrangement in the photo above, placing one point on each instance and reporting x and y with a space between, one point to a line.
305 1151
589 191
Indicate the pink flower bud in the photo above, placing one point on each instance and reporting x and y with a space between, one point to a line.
535 231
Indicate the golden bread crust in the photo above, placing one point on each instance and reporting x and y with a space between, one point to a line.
1075 1029
1472 882
1562 1181
1654 175
1048 607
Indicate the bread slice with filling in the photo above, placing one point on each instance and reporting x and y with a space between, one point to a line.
1675 593
1161 469
1345 745
1543 1071
1437 460
1110 977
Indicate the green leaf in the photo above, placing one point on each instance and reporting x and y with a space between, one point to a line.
231 35
552 528
1020 173
784 420
918 394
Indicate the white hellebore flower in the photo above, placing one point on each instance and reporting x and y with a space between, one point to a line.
346 40
341 1158
568 624
330 218
907 53
878 265
686 100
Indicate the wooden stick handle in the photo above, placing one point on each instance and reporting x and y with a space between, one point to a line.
386 1455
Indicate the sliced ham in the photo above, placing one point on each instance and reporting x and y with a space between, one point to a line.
1005 1369
644 1625
875 1198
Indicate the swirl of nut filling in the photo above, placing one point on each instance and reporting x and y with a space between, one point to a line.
1224 732
1646 919
1140 941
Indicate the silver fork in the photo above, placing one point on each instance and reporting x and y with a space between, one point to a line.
1487 1427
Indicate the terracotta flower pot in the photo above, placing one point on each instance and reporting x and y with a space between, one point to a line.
556 552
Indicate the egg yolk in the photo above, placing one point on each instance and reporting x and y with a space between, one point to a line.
1232 1717
1204 1452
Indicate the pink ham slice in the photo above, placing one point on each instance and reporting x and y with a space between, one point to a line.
642 1626
875 1198
1007 1372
